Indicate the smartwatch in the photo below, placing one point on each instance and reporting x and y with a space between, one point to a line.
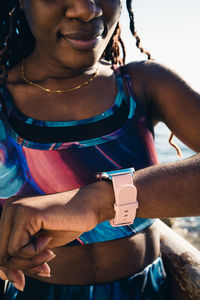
125 195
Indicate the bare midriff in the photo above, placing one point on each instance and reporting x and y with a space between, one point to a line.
105 261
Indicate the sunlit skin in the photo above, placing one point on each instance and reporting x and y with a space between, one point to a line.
62 59
57 64
58 26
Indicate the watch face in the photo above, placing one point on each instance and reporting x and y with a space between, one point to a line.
108 175
121 171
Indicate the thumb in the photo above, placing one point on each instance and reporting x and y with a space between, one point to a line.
35 246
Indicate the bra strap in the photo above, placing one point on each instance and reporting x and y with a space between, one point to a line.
119 80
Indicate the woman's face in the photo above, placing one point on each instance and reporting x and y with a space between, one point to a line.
72 32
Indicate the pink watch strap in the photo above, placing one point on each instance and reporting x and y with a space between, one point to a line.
125 200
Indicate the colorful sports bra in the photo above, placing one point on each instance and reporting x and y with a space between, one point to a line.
42 157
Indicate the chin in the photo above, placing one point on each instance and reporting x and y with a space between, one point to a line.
82 63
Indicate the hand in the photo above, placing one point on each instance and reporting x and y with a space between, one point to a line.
17 276
30 226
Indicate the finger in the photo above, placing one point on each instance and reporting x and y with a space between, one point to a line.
3 275
43 271
12 224
19 263
34 247
23 233
5 230
45 256
16 277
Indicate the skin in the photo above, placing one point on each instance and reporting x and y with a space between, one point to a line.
60 218
67 17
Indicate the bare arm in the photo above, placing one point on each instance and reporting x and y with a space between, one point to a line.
166 190
169 190
163 191
169 99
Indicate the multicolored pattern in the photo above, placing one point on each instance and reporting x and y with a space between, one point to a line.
30 168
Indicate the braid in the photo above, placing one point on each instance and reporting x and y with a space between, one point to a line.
132 28
112 52
16 40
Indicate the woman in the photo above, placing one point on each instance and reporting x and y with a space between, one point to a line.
54 141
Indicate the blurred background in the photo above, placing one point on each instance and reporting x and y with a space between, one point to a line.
170 30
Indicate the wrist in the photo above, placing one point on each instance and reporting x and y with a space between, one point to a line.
104 201
93 204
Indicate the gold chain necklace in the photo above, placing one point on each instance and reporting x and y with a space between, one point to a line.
25 79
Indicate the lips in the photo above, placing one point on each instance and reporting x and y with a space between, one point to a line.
82 36
82 40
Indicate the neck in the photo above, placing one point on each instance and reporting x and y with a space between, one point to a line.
40 67
58 91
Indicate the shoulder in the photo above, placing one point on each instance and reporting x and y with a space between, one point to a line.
150 72
167 96
14 75
161 86
13 79
149 80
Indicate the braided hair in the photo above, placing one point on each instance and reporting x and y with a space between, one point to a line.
112 52
17 41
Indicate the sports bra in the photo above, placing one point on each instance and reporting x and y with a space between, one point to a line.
42 157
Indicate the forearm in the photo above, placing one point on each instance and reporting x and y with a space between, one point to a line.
169 190
165 190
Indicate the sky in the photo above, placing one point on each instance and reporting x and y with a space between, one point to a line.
170 30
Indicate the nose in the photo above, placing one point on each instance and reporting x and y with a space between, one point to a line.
83 10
